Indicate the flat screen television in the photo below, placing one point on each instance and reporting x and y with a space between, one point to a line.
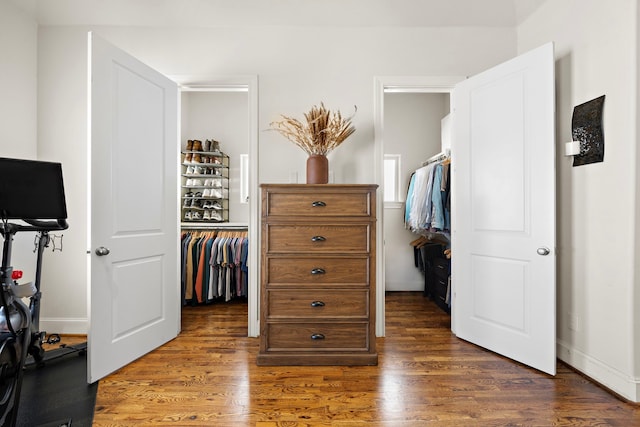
31 189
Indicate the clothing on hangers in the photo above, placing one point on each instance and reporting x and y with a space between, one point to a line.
214 266
428 197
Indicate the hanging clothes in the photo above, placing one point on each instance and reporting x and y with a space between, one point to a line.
428 202
213 266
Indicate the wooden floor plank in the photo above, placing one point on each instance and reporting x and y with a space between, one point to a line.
426 376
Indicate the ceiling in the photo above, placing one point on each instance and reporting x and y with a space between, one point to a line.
325 13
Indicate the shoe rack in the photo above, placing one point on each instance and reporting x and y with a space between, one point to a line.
205 183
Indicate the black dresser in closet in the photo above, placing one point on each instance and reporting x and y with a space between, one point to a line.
441 270
436 269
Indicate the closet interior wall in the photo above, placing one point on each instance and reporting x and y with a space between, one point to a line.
412 130
222 116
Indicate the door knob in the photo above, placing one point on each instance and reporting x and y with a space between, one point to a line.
543 251
102 251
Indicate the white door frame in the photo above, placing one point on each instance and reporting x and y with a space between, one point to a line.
231 83
403 84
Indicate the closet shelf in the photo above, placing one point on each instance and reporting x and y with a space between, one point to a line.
203 175
204 165
199 188
207 153
193 225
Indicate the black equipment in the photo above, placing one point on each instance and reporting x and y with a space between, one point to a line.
32 192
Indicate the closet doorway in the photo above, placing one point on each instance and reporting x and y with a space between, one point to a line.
132 106
408 116
224 110
413 133
503 121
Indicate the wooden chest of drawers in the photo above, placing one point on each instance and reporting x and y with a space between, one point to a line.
317 302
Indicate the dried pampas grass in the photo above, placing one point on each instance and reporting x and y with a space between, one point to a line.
323 130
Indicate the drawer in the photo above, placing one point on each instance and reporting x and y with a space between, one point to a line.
318 204
440 294
440 289
317 336
317 238
337 303
312 271
441 267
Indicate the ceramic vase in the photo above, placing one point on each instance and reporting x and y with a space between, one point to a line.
317 169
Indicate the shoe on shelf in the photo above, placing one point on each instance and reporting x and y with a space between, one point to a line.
187 158
189 145
215 146
196 215
206 215
207 145
215 215
217 183
215 205
188 194
197 159
216 194
189 170
187 203
187 215
197 145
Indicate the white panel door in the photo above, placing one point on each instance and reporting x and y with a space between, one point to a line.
503 242
135 288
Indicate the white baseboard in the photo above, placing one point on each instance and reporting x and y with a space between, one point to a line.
404 286
618 382
66 326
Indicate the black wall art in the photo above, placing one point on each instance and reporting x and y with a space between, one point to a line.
586 127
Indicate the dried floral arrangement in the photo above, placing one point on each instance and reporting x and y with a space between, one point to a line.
323 130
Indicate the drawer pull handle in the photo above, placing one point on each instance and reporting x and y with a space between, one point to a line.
318 271
318 204
317 304
318 239
317 337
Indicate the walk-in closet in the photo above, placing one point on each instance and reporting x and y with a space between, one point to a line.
416 142
214 199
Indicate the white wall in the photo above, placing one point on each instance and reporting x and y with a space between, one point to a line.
635 301
596 50
412 129
222 116
18 107
62 137
294 74
18 82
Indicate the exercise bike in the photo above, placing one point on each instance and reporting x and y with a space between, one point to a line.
32 192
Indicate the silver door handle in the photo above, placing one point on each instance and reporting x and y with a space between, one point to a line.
102 251
543 251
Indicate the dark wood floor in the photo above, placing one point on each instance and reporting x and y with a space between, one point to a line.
426 376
